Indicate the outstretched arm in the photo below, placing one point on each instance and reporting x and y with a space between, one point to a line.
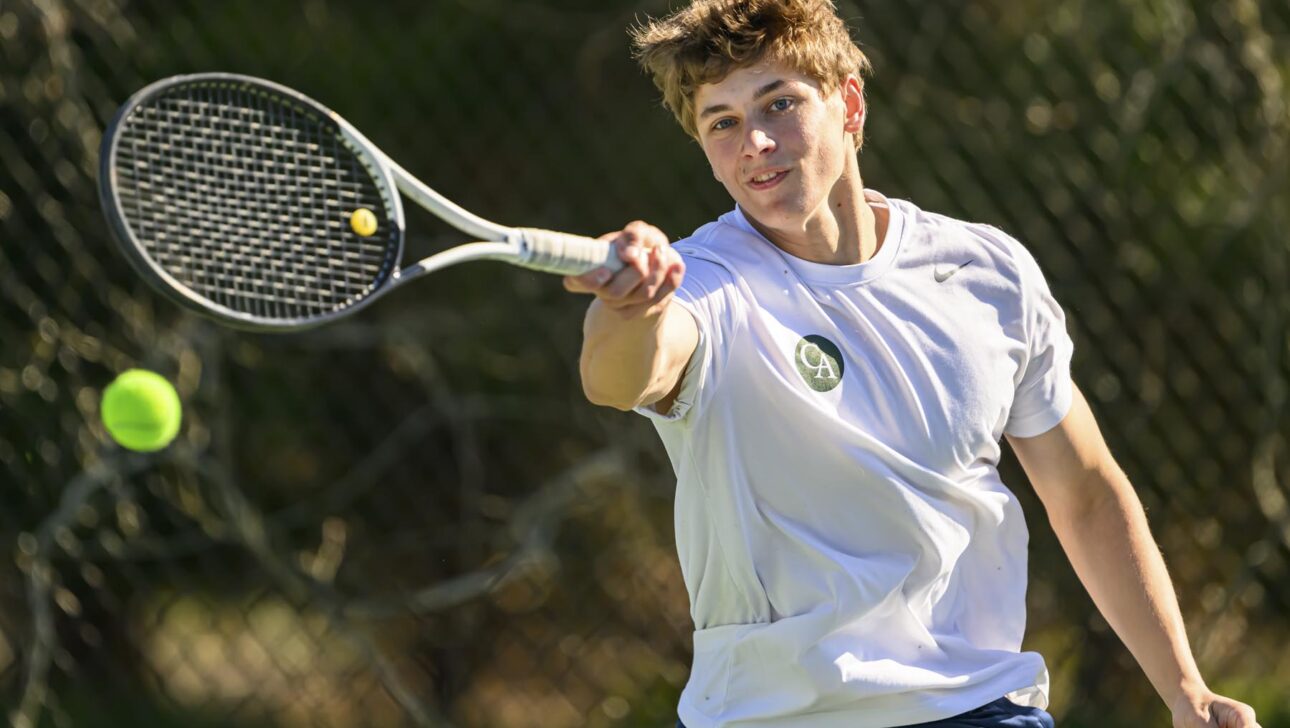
635 344
1103 529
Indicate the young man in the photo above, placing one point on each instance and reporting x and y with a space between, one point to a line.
831 373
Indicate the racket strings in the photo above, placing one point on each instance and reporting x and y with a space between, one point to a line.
245 198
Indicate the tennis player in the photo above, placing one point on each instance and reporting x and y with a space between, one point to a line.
831 372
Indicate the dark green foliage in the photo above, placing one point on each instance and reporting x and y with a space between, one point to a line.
1138 148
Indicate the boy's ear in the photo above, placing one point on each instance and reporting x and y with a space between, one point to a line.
853 104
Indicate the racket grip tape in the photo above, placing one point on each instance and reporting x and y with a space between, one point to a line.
570 255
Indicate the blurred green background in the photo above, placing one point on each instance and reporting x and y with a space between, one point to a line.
413 517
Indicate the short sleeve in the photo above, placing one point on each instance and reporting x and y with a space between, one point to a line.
1043 392
709 293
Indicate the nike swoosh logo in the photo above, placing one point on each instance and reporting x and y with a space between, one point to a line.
944 275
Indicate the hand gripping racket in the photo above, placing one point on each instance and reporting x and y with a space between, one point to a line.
255 205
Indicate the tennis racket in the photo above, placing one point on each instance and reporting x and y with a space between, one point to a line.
256 206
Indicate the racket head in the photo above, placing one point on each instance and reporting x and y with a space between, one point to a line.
233 197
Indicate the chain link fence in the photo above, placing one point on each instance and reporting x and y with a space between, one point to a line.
413 518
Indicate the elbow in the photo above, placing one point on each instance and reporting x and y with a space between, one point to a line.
609 393
620 397
606 398
606 391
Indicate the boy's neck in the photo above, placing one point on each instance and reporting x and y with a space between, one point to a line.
845 230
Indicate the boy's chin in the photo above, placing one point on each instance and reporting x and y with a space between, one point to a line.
779 217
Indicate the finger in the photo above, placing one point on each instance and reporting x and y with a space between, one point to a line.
639 230
589 282
633 307
657 271
654 270
622 285
635 258
1239 716
1234 713
646 235
631 252
638 234
632 234
593 280
676 274
620 239
671 282
650 236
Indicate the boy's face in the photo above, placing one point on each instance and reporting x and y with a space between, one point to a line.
775 141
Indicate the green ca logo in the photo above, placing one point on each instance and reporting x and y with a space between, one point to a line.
819 362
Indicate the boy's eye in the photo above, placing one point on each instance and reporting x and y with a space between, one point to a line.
723 124
783 104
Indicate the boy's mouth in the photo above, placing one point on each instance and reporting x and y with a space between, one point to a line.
766 180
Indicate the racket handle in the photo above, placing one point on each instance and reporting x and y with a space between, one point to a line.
570 255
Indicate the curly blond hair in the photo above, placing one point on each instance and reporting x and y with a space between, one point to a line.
708 39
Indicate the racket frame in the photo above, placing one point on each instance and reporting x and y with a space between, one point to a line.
529 247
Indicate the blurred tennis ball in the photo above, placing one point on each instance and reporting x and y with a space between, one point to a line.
363 222
141 410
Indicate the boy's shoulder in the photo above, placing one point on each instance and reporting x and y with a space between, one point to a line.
989 244
725 243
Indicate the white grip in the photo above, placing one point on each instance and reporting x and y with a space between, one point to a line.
571 255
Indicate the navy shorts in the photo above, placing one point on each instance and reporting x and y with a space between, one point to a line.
1002 713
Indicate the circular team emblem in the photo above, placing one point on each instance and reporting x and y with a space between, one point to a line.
819 362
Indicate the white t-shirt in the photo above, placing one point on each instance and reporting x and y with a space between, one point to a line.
851 554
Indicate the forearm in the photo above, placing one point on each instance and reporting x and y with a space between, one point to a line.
627 362
1112 550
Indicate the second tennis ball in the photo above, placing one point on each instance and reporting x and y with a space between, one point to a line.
363 222
141 410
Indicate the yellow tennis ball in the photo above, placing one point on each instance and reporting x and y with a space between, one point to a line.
363 222
141 410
